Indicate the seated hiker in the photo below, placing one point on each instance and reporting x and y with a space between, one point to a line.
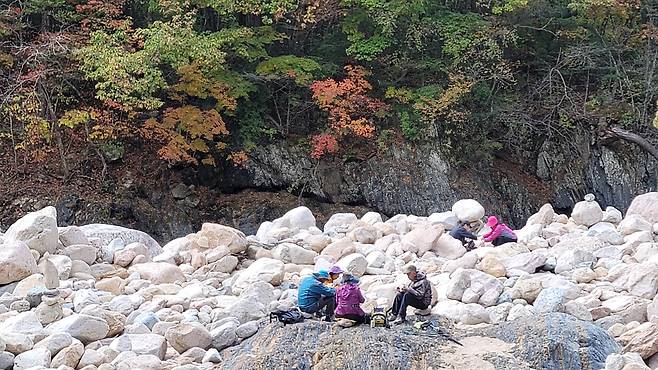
417 294
499 234
314 297
463 233
348 300
334 274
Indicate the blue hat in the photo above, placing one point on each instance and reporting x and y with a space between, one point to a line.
322 274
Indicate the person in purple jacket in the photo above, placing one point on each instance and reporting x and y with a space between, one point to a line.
499 234
349 299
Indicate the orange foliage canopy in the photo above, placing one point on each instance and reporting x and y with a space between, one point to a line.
350 109
184 131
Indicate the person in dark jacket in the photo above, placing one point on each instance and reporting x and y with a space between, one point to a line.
464 234
315 297
417 294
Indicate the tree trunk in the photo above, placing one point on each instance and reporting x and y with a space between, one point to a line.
620 133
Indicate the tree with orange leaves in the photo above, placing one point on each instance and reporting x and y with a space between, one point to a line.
350 110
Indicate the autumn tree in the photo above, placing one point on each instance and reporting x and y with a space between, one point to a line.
351 112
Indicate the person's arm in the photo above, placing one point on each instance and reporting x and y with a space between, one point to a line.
469 235
361 298
417 291
493 234
320 288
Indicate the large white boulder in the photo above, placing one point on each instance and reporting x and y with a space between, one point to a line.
84 328
645 205
22 323
527 262
246 310
104 234
293 253
612 215
587 212
300 218
225 335
264 269
38 357
543 217
354 263
468 314
16 262
365 234
448 247
184 336
468 210
640 279
423 238
605 232
339 223
372 218
634 223
572 259
642 339
38 230
446 219
214 235
72 235
158 272
473 286
141 344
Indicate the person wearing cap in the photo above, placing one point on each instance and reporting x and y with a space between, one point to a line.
334 274
499 234
417 294
316 298
349 299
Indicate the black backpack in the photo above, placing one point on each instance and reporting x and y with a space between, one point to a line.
292 316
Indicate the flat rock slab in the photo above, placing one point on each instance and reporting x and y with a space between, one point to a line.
319 346
557 341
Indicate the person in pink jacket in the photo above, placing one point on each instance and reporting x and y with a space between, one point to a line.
349 299
499 234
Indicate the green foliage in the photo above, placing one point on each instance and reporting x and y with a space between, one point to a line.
253 127
409 124
462 75
507 6
301 70
129 80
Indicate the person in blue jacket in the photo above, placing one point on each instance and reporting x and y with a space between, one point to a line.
314 297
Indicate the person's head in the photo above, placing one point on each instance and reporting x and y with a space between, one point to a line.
334 272
349 279
467 226
322 275
411 271
492 221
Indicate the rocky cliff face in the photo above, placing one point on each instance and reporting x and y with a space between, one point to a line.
418 180
403 180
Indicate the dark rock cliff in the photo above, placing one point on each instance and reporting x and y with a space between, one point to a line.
417 180
411 179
